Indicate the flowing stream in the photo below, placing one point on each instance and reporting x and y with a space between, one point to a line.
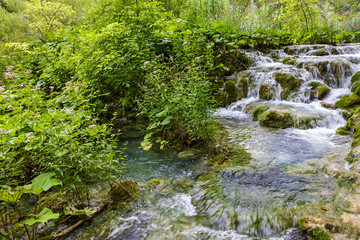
253 202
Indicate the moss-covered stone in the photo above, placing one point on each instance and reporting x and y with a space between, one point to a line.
243 87
275 56
231 91
258 111
124 191
343 131
320 234
285 60
320 52
266 91
291 62
287 80
189 154
348 101
355 83
319 90
276 119
288 83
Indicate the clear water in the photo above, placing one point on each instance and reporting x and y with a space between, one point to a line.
252 202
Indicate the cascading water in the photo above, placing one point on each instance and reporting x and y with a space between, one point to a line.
256 201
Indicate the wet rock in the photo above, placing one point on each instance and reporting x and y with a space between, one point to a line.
332 72
231 91
327 105
266 91
124 191
355 83
276 119
289 61
343 131
258 111
242 87
319 90
348 101
189 154
288 83
320 52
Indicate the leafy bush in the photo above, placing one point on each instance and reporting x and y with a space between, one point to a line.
43 130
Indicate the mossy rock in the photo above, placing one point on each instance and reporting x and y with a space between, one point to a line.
319 90
285 60
285 93
189 154
343 131
266 92
355 83
275 56
258 111
287 80
124 191
289 61
320 52
276 120
320 234
243 87
231 91
348 101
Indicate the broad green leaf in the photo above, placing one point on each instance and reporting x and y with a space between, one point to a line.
44 216
43 182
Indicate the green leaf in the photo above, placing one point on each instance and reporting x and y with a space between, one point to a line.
44 216
166 121
43 182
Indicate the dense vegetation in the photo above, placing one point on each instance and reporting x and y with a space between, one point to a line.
72 69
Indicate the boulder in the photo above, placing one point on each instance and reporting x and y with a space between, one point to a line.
266 91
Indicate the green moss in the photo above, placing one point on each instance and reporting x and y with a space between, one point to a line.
320 234
124 191
320 52
291 62
266 91
275 56
355 78
284 61
323 91
276 120
287 80
258 111
243 87
314 85
348 101
355 83
231 91
156 181
343 131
